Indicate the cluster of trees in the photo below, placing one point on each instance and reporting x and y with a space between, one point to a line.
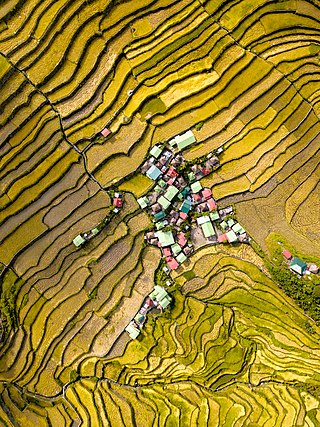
305 292
9 285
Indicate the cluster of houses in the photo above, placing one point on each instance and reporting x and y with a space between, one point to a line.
176 195
298 266
159 298
82 238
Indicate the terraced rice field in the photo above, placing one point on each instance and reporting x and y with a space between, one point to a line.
233 350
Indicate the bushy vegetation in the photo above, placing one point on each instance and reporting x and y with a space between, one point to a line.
10 285
303 291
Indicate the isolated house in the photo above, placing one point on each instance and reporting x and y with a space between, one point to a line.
105 132
117 202
287 254
313 268
298 266
79 240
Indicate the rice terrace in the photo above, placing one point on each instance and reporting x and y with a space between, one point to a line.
160 213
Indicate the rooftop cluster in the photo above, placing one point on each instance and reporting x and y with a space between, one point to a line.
117 203
178 202
159 298
298 266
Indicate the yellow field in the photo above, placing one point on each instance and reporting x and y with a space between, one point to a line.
232 349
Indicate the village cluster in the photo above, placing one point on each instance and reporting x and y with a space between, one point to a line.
159 298
178 203
298 266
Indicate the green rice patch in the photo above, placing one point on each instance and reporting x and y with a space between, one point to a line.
153 106
138 185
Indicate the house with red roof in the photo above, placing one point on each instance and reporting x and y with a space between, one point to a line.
172 173
222 238
183 215
206 194
212 205
196 197
172 263
105 132
117 202
182 239
167 252
287 254
206 171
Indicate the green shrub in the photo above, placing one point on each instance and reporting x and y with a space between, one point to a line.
199 125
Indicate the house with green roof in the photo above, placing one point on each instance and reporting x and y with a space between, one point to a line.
298 266
160 295
186 191
184 140
165 238
214 216
196 187
230 222
132 330
181 257
171 192
156 151
207 229
143 202
175 248
162 183
231 236
223 225
160 225
79 240
159 215
164 202
238 229
186 206
191 176
153 172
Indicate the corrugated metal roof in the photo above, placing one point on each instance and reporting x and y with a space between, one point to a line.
207 229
